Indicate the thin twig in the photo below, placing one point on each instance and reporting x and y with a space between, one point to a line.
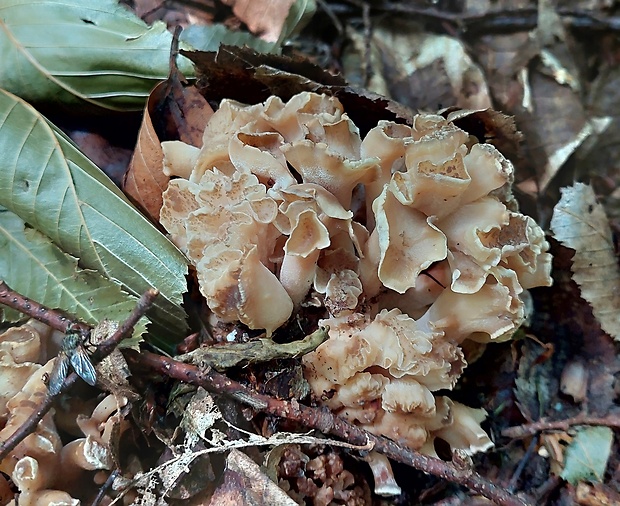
103 350
497 21
323 420
512 485
529 429
144 303
331 15
55 319
105 488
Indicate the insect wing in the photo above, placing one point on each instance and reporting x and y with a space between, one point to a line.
82 366
58 374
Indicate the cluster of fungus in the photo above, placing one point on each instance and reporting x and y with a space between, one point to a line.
33 466
409 238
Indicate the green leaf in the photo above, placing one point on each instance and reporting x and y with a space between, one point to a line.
299 15
82 50
210 37
36 268
586 457
53 187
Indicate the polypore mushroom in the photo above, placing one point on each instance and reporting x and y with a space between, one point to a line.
408 242
272 217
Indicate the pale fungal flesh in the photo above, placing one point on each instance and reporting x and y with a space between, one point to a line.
408 238
35 462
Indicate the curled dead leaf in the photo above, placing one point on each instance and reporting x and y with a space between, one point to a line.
173 111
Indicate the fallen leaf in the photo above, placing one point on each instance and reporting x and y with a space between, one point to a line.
53 187
174 111
229 355
421 70
299 15
231 73
555 126
81 51
145 181
113 372
246 483
244 75
211 37
598 494
199 415
490 126
110 158
599 163
33 266
287 383
586 457
535 383
579 222
504 57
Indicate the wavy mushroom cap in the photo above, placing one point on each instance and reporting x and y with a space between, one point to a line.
408 238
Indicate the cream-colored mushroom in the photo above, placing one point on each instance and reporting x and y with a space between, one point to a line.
31 480
45 498
303 115
317 163
408 242
491 314
228 119
465 433
416 300
385 484
260 154
386 142
488 170
13 377
436 177
409 239
179 158
342 292
24 344
473 236
44 444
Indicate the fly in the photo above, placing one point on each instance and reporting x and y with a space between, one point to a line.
72 352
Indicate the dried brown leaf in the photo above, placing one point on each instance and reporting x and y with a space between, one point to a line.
249 77
579 222
246 483
113 372
107 155
490 126
173 111
182 111
145 180
554 124
421 70
504 58
535 382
